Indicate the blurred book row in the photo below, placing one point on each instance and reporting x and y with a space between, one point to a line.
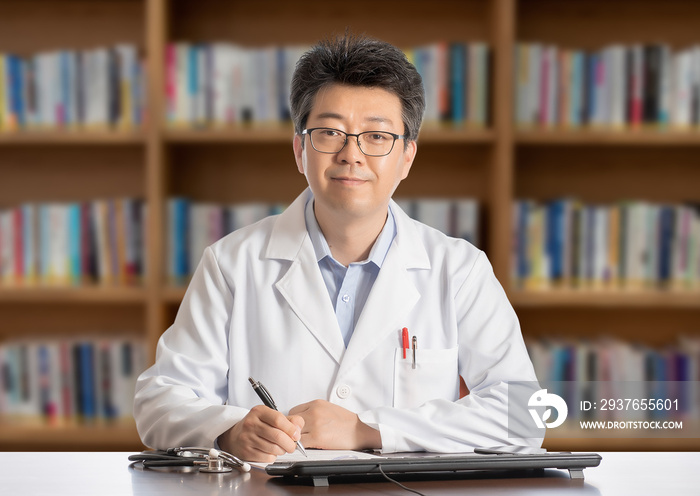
628 245
192 226
70 380
616 87
73 89
456 217
607 369
456 81
100 241
631 245
217 84
103 241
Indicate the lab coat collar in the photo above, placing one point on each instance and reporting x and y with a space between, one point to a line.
390 300
289 234
289 231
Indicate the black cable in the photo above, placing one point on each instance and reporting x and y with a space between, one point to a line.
381 470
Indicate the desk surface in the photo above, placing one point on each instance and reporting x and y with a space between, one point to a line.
75 474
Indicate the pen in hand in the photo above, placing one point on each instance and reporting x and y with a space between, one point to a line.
267 400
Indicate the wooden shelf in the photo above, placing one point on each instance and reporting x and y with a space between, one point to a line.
173 294
622 444
635 440
448 133
283 133
258 133
29 436
77 294
547 298
100 138
608 137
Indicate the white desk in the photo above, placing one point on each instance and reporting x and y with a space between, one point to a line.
75 474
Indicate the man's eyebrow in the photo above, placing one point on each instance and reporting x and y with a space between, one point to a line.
329 115
374 118
380 119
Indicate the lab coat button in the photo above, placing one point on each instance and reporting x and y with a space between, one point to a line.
346 298
343 391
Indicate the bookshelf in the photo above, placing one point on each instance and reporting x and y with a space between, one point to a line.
496 165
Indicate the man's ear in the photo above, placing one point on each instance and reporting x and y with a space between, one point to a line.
298 152
408 156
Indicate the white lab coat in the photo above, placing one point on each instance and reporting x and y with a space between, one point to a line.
257 306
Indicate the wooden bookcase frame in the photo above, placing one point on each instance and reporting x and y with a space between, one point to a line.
496 165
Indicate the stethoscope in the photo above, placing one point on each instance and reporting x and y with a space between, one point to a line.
208 460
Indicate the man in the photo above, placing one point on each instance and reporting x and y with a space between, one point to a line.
313 302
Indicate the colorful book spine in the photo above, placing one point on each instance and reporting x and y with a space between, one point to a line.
74 243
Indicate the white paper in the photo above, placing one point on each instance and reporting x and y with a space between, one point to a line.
317 454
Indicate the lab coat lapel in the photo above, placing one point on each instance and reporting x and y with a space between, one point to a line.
302 285
393 294
303 288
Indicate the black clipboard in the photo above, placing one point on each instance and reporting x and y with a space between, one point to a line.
319 471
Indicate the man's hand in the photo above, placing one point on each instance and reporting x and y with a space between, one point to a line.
262 435
329 426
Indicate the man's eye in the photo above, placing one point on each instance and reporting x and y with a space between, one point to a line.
377 137
330 133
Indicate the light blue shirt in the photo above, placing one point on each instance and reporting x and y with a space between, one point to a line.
348 287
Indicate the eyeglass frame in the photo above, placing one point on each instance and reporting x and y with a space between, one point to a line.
308 131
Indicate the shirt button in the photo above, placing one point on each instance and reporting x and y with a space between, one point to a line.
343 391
346 298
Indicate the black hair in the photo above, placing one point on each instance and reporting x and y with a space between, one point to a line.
357 61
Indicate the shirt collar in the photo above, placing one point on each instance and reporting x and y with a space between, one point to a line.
379 250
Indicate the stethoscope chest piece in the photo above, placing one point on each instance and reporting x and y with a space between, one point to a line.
215 466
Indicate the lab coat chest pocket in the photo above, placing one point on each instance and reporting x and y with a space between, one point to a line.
436 376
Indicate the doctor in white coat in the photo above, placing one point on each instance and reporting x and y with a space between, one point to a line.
312 302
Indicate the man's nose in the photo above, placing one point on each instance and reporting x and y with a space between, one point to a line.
351 152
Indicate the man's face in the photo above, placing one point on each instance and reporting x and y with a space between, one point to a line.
350 183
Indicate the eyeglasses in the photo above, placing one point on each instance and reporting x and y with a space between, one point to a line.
371 143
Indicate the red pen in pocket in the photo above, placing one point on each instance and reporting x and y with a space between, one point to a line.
404 336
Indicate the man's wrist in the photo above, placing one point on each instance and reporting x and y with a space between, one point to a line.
368 437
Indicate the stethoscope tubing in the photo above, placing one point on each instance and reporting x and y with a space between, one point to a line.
186 456
172 463
151 456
